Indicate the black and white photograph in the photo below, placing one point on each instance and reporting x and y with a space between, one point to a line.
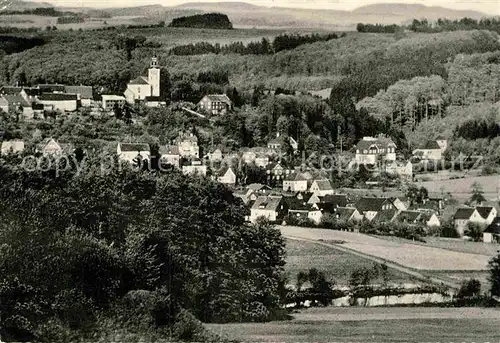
250 171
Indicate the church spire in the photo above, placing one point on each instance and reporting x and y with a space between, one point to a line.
154 62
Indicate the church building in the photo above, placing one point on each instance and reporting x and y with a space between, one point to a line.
144 88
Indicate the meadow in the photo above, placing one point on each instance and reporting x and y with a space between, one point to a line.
377 324
412 256
337 265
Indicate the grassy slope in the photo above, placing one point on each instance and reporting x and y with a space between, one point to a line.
373 325
337 265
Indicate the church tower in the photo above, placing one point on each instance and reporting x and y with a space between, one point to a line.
154 77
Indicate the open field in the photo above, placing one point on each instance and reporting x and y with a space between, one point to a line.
337 265
408 255
453 244
461 188
373 325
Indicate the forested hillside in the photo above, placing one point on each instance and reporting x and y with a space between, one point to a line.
461 107
358 64
114 252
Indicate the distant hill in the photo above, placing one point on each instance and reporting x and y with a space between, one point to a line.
19 5
203 21
417 11
247 15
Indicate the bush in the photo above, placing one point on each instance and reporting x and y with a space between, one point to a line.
469 288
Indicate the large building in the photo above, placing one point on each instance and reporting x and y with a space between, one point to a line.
372 150
145 87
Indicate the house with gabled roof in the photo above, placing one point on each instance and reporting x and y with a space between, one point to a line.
430 151
465 215
430 219
132 151
330 202
371 207
170 155
84 94
321 187
295 182
347 214
59 101
226 175
492 233
277 144
12 90
269 207
14 146
488 213
300 209
188 145
215 104
15 102
372 150
408 217
50 147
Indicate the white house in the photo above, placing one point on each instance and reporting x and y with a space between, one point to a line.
50 147
143 87
295 182
372 150
227 176
464 216
430 151
487 213
370 207
130 151
401 168
194 167
170 155
268 207
109 101
12 147
188 145
60 101
321 188
215 104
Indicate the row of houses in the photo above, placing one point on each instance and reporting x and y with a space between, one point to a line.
33 102
314 207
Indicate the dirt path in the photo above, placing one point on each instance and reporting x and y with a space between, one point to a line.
409 271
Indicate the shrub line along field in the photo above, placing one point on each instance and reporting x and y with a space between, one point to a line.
409 255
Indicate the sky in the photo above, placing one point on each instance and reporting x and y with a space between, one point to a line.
491 7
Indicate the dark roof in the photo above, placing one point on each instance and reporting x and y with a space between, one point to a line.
57 97
296 177
464 213
384 216
344 213
153 98
484 211
267 202
15 99
379 142
408 216
304 196
432 145
494 227
49 88
338 200
222 171
32 91
140 80
295 204
370 204
219 97
10 90
36 106
134 146
257 187
86 92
